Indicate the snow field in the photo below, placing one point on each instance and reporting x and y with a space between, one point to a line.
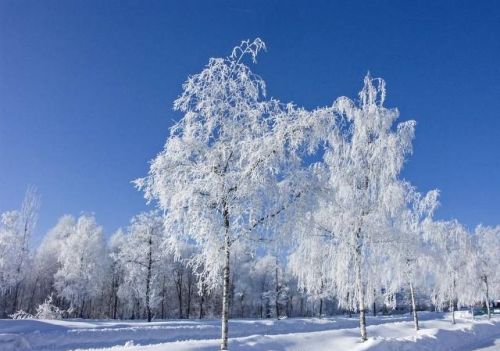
328 334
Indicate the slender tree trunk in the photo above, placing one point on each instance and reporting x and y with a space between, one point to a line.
289 306
163 298
277 292
226 287
472 311
452 308
115 305
485 279
414 307
261 307
320 307
148 278
81 310
362 313
242 312
202 300
138 308
189 293
349 312
361 292
178 285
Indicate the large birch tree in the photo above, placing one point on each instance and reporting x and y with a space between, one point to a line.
362 161
222 175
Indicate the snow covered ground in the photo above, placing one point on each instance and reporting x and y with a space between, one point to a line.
339 333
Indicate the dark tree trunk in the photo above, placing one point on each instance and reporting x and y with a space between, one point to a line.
163 298
485 279
277 292
148 278
178 284
189 293
452 309
202 298
81 310
226 287
115 305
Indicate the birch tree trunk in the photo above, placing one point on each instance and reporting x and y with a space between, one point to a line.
148 279
359 283
277 292
361 297
225 288
414 306
485 279
452 308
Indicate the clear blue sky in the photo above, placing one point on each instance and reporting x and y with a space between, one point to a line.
86 88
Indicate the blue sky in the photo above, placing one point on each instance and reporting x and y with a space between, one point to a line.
86 88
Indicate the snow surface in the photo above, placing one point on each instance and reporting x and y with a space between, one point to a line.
329 334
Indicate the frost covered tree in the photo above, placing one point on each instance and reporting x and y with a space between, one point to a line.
141 254
310 263
452 251
16 229
220 177
117 271
45 262
408 249
83 264
487 248
262 274
362 160
8 259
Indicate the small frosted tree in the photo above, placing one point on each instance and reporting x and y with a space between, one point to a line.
221 176
47 310
45 261
487 248
408 250
82 262
117 270
141 254
452 249
16 229
8 234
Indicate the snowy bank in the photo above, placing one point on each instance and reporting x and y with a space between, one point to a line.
329 334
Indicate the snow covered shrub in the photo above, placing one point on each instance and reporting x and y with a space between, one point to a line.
21 315
48 310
